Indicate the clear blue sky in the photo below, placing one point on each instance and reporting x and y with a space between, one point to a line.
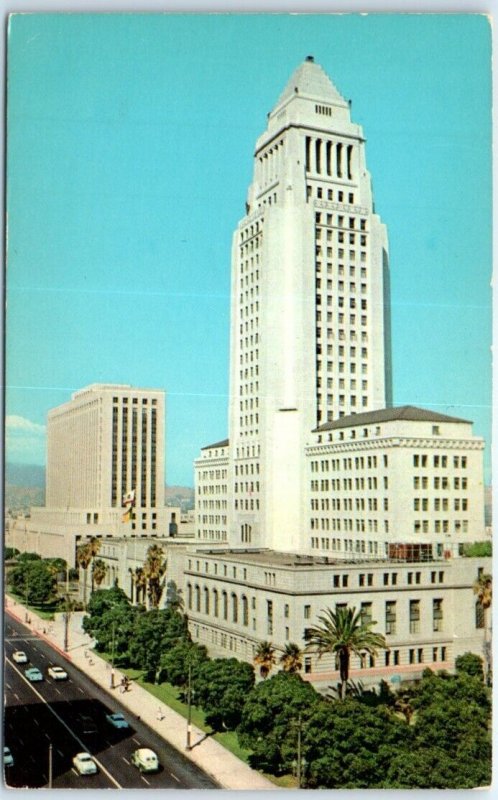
130 142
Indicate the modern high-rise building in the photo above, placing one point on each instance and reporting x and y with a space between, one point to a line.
104 445
106 442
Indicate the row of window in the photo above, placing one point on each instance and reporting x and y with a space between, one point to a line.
422 460
440 504
441 526
334 484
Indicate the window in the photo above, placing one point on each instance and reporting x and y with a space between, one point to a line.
307 612
390 617
437 615
479 612
414 616
366 613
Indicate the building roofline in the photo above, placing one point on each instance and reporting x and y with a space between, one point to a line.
223 443
407 413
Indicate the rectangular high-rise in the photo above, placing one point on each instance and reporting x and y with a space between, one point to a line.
107 441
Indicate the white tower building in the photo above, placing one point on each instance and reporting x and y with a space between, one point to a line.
310 337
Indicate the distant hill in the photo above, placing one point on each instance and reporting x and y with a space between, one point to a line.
30 475
182 496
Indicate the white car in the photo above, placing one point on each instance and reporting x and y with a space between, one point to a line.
84 764
145 759
8 758
57 673
20 657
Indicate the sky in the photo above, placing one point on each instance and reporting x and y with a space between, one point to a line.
129 153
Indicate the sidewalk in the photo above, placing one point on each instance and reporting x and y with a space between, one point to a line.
208 754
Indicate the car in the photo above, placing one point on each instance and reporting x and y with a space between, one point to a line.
57 673
117 720
33 674
87 724
20 657
145 759
8 758
84 764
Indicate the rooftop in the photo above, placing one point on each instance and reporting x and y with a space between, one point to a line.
407 413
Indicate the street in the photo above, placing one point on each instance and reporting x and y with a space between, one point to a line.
62 714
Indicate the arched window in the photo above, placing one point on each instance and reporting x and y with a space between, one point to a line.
224 599
235 608
206 600
197 598
189 595
216 609
245 610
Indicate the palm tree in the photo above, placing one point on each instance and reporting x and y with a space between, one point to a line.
99 571
292 658
265 658
483 588
84 555
342 632
154 569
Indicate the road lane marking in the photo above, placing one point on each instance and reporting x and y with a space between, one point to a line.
66 726
80 690
60 753
8 686
36 722
17 696
174 776
135 740
57 690
145 779
126 760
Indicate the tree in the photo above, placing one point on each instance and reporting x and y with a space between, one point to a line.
350 745
470 664
154 569
176 660
292 658
84 554
483 588
99 571
34 581
270 717
155 632
221 687
174 599
342 633
265 658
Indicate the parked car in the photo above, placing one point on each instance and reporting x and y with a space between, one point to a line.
20 657
84 764
57 673
33 674
145 759
117 720
8 758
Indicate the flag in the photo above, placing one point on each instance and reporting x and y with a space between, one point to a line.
129 499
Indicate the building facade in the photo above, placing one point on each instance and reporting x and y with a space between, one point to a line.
106 443
427 611
324 493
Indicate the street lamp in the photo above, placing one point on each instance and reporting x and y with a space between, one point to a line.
112 654
189 709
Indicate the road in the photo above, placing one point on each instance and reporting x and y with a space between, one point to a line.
50 712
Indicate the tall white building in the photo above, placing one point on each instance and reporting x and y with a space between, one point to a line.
105 443
310 358
310 336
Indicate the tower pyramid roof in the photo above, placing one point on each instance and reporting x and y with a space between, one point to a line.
310 80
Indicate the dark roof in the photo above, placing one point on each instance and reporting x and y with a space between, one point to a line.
411 413
224 443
